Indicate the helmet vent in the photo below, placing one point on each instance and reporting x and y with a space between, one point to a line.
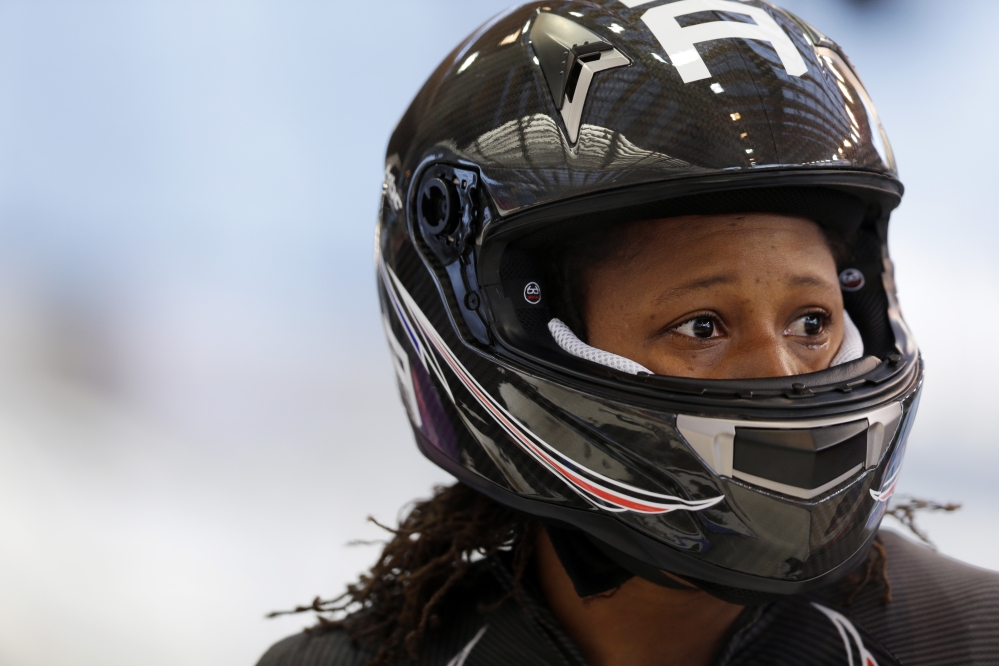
521 299
804 461
807 458
569 55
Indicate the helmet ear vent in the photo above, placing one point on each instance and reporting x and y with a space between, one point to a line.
520 300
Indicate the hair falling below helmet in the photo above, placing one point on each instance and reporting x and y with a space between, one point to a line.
556 120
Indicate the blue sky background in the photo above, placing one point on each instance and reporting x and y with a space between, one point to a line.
196 407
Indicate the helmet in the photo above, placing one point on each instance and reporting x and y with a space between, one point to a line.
557 115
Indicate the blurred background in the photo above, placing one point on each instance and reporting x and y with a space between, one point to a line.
197 411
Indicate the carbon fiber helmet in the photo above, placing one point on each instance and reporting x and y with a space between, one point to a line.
556 115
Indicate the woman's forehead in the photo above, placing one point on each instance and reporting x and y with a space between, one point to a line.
711 236
696 226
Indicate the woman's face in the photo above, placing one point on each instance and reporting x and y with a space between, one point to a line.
718 297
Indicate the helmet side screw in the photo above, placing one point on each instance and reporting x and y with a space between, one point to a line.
472 300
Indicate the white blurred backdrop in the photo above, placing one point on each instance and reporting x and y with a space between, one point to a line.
196 408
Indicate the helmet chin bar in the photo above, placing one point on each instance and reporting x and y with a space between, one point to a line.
644 556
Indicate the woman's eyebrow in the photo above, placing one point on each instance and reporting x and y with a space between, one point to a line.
699 284
809 281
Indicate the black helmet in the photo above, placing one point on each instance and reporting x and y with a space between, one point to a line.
558 115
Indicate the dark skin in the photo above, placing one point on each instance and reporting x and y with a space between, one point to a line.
719 297
715 297
639 624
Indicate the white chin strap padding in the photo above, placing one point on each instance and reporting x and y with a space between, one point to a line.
851 349
568 341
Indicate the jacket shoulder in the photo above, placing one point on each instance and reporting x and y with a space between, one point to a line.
330 648
942 611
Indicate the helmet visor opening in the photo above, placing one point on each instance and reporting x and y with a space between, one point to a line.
540 272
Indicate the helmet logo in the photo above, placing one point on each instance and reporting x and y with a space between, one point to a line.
852 280
681 43
532 293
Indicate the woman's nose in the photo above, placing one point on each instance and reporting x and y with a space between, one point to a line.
760 356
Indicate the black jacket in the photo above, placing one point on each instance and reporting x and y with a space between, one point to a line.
944 612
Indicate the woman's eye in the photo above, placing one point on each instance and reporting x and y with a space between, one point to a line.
698 327
808 325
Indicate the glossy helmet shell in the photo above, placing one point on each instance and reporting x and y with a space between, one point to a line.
555 113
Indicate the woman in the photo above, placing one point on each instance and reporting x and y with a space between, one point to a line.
634 275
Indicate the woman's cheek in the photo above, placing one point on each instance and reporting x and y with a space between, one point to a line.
669 360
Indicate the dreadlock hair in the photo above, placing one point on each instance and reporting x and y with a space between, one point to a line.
873 572
396 602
